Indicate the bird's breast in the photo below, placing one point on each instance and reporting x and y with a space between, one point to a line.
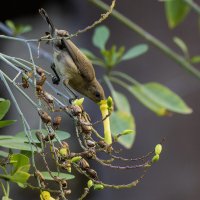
65 66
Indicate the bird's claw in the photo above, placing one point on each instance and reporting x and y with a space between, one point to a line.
55 80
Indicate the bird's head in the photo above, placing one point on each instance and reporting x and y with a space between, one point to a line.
95 91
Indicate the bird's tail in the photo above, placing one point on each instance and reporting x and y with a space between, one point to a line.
45 16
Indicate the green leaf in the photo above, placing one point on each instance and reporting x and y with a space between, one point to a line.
60 175
176 11
18 177
6 198
89 54
160 98
16 143
181 44
20 29
11 25
63 135
121 101
20 161
4 107
135 51
3 137
6 123
195 59
100 37
1 99
4 154
21 166
138 92
121 121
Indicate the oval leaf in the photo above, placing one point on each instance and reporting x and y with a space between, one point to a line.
62 135
195 59
176 11
100 37
4 107
20 161
135 51
121 101
4 154
121 121
18 177
160 99
60 175
6 123
138 92
167 98
16 143
181 44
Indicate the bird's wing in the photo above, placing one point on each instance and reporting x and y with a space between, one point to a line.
82 62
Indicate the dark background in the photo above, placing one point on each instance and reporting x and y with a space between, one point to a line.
176 176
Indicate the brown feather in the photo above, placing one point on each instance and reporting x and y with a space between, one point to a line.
82 62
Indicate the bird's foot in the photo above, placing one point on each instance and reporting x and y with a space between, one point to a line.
56 80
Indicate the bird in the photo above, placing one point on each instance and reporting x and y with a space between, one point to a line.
74 68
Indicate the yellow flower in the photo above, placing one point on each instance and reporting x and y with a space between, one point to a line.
45 195
106 123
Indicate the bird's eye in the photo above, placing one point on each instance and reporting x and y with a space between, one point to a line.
97 94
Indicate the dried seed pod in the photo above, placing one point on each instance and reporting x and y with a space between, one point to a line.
90 143
50 136
86 128
83 164
67 165
39 90
64 184
39 175
76 110
56 122
40 71
40 136
65 145
102 144
92 173
48 97
62 33
91 154
25 83
42 80
67 192
44 116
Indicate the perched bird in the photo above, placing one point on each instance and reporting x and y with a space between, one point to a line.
74 68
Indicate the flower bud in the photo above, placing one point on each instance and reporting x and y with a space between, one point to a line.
158 149
155 158
76 159
90 183
63 152
98 187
